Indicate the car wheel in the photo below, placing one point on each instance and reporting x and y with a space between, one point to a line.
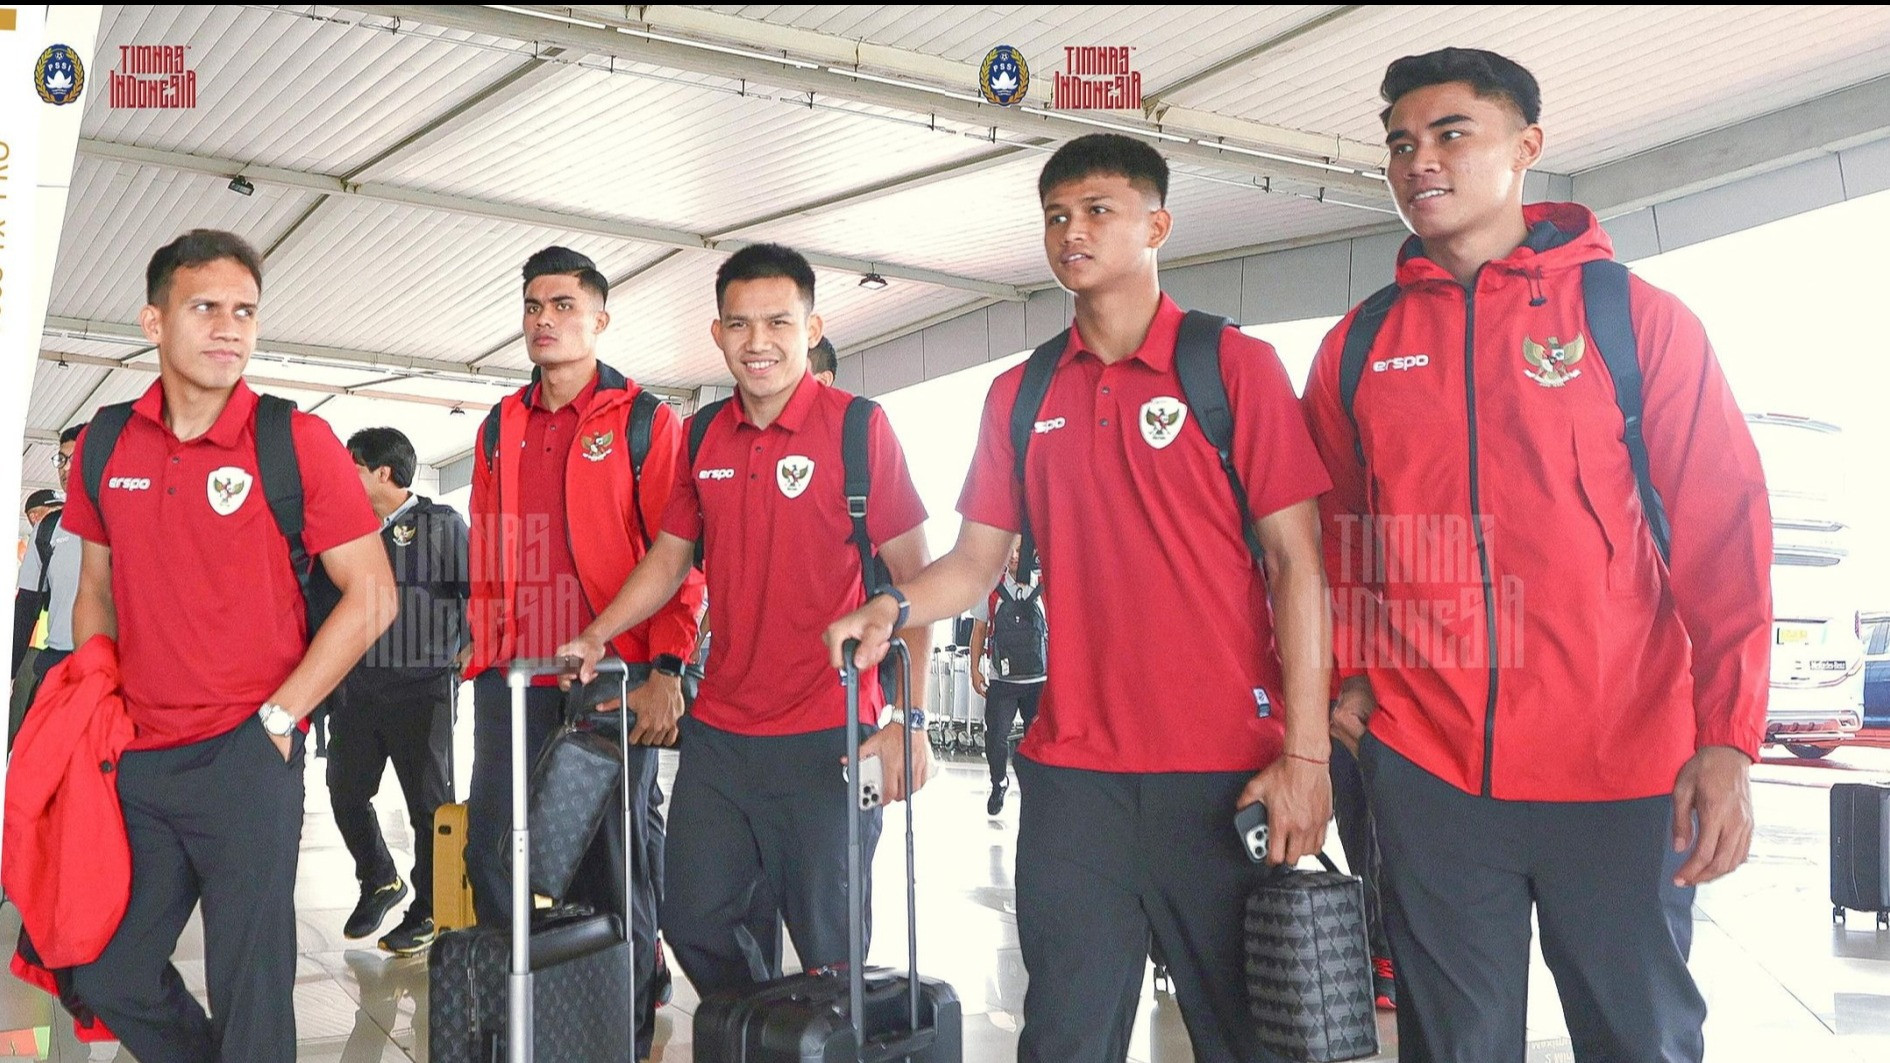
1809 752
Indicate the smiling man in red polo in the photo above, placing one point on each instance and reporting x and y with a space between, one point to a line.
1162 710
184 565
759 795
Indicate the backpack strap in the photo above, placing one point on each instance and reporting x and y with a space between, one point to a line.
489 435
1038 369
856 464
101 438
642 428
1360 337
42 542
1198 364
698 431
1611 328
280 471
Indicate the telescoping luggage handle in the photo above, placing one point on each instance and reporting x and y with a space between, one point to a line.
913 1041
519 981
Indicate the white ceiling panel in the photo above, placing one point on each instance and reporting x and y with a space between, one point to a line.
401 280
118 215
279 88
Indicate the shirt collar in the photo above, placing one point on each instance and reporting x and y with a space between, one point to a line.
536 399
794 414
412 501
228 430
1158 346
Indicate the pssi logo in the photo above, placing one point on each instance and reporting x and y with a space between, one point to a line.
716 474
129 483
1402 363
1051 425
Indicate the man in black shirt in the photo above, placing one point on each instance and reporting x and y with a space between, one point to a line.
397 704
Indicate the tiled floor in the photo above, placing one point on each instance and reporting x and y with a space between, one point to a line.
1783 983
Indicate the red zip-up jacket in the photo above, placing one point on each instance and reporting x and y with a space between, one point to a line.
603 502
1493 457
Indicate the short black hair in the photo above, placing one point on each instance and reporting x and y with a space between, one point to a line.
71 435
565 262
1106 153
375 447
761 261
1491 76
197 247
822 358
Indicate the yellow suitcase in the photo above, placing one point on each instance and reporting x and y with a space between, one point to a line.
452 890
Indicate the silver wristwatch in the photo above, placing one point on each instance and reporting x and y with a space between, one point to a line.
275 719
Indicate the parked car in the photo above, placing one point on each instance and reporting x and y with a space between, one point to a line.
1817 675
1873 629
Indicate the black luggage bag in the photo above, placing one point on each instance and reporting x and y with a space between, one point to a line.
1860 850
1309 985
569 980
815 1017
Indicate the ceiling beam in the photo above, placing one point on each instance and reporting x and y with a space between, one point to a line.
1831 123
312 354
66 358
1156 104
327 184
1262 151
338 357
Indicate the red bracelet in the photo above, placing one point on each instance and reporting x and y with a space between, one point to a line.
1307 759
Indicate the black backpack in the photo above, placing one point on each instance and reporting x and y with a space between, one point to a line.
1605 302
277 466
1020 638
43 543
1197 363
642 428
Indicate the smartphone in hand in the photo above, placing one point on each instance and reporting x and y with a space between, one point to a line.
1250 824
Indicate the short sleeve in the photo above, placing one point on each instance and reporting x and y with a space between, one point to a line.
992 494
29 565
682 516
80 516
335 507
1279 465
893 508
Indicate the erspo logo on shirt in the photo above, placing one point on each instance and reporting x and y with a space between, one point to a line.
716 474
129 483
1050 425
1401 363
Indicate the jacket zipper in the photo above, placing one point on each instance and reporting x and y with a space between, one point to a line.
1476 526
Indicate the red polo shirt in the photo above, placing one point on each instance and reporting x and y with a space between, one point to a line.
210 615
1161 638
549 602
770 506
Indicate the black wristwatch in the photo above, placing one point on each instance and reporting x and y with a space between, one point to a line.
668 664
905 608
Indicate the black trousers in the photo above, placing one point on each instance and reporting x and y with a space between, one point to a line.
1003 704
752 814
1105 861
383 714
600 880
1358 837
1465 871
218 821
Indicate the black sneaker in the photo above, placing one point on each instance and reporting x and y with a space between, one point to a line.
411 937
376 902
996 803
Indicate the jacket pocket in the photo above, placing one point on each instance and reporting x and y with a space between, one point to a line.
1611 496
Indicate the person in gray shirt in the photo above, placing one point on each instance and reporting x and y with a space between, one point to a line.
49 578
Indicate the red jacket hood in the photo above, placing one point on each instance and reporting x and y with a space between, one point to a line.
1561 236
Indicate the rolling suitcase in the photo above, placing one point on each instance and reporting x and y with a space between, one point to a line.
817 1017
1860 850
558 988
452 889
